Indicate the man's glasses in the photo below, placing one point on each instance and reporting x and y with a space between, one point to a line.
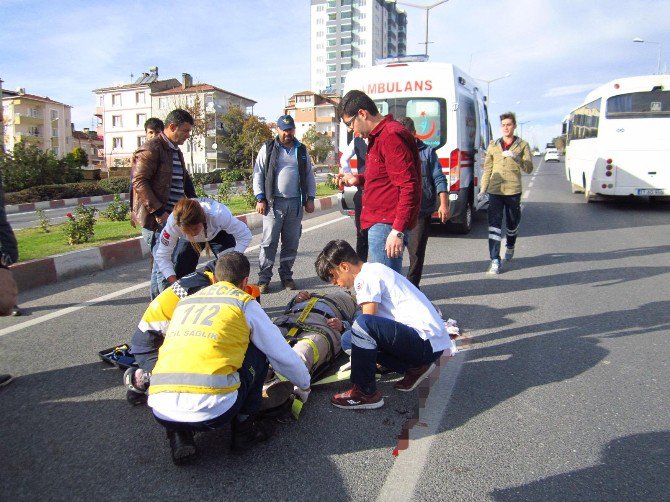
349 123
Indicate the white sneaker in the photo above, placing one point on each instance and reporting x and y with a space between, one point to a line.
494 268
509 254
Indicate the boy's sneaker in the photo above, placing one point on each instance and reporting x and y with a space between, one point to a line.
182 446
248 433
494 267
413 377
509 254
354 399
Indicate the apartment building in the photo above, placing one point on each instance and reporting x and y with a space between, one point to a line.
92 144
349 34
207 103
38 120
121 111
310 109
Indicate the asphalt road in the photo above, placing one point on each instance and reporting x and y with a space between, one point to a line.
560 392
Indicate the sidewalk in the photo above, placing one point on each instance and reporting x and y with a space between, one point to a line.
36 273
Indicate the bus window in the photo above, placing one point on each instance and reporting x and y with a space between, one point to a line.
429 116
654 103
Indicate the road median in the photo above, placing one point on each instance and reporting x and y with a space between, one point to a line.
41 272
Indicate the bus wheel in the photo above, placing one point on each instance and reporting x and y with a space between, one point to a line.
465 225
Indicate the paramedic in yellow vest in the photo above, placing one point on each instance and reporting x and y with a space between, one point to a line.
213 362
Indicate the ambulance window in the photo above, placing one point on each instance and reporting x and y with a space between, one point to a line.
427 120
429 116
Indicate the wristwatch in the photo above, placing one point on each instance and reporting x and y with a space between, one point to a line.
398 234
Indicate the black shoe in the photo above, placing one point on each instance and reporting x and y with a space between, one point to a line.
182 446
136 398
249 433
16 311
5 379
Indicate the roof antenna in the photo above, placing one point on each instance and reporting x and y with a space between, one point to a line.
131 77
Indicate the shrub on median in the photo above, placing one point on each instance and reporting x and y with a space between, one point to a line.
80 226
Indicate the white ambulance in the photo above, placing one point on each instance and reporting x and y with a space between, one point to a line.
450 115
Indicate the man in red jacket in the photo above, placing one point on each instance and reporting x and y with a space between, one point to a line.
392 178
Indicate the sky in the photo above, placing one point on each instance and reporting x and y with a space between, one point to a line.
555 51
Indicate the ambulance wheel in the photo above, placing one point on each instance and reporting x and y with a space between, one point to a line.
465 225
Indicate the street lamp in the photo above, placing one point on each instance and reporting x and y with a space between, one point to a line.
521 127
427 9
488 85
658 63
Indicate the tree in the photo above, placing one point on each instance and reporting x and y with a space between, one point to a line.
318 144
233 123
27 166
79 157
255 132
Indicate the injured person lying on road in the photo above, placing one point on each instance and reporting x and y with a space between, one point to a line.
312 324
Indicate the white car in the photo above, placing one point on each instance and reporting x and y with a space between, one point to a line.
551 154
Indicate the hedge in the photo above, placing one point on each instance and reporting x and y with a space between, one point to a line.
69 191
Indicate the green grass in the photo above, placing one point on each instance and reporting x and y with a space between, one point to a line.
35 243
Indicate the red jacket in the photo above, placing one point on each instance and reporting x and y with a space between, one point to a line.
392 177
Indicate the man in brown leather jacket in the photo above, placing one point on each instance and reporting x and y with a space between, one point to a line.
159 180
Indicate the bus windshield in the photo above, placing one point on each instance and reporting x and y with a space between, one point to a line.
429 116
654 103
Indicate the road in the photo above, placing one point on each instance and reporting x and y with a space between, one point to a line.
57 216
560 391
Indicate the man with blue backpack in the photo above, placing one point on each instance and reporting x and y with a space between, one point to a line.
433 186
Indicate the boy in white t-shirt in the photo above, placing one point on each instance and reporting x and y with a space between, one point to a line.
398 326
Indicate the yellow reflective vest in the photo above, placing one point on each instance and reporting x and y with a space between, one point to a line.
205 344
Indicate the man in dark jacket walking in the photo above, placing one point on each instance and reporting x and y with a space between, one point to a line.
433 185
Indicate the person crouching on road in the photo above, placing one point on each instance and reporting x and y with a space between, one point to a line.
506 157
398 326
213 362
191 223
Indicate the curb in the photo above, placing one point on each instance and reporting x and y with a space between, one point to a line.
44 271
58 203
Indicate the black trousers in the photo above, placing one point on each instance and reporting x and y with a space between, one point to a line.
418 239
361 235
510 205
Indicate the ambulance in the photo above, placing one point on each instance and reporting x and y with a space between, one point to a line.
450 114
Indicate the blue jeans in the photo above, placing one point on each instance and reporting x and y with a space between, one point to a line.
249 395
377 235
283 220
511 206
394 345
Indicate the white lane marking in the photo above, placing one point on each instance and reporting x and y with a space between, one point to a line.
525 194
530 185
410 464
89 303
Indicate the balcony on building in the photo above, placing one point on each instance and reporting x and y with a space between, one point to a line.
30 120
